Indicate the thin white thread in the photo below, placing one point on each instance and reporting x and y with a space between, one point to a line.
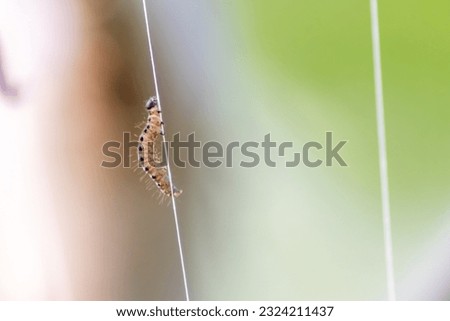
175 215
389 257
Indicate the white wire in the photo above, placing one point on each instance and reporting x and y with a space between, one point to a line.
389 257
166 152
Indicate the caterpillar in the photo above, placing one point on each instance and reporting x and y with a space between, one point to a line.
148 155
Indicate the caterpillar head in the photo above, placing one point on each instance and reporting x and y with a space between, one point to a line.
151 102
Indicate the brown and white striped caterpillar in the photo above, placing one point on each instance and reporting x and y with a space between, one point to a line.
149 158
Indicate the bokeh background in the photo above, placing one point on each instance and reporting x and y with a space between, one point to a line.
228 70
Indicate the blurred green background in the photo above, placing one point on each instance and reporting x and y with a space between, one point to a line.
297 69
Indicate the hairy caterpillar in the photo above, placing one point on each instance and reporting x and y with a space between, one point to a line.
148 155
